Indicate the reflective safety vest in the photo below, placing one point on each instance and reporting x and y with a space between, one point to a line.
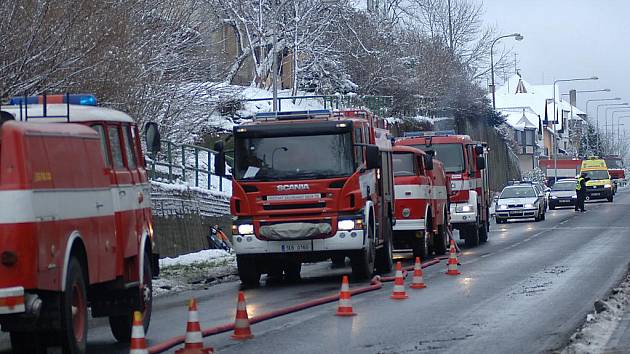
578 186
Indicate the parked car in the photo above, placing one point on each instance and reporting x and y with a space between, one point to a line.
563 194
520 201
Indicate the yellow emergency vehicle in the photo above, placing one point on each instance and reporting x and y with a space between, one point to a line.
600 185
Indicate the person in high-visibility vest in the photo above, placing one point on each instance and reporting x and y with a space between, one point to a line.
580 190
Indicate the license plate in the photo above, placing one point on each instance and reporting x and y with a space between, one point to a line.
595 194
565 201
296 246
294 197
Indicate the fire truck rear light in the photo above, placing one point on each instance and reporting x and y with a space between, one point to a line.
239 239
249 239
353 234
8 258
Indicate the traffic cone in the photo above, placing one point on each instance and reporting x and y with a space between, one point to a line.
138 344
417 282
399 284
345 307
241 324
452 261
194 341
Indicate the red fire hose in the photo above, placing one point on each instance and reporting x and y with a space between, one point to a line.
375 284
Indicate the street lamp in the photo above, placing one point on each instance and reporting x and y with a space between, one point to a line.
587 113
612 118
597 117
516 36
555 138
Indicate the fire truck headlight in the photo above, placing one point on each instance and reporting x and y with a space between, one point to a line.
246 229
345 225
464 208
406 212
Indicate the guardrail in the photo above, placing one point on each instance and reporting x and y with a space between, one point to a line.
192 164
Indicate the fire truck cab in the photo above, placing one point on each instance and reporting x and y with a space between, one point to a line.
421 190
465 164
310 186
75 222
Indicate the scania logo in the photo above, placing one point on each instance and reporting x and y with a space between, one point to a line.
293 187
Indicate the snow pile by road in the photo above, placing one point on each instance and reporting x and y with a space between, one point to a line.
194 271
600 325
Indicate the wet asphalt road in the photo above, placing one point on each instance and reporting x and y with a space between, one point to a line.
525 291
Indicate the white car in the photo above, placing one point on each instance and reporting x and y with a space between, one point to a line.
520 202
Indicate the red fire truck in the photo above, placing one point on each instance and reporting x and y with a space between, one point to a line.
421 191
563 168
75 226
615 169
465 164
310 186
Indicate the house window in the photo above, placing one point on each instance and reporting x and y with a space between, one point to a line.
529 137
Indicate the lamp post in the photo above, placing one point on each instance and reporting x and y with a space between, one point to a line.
587 113
555 138
612 119
516 36
614 110
597 118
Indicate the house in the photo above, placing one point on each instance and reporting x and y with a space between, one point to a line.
529 113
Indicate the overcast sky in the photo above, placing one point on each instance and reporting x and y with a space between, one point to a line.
566 39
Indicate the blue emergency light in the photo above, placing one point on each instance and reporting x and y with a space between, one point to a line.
77 99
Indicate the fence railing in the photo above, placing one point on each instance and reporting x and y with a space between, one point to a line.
187 163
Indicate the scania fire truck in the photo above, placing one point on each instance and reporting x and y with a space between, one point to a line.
310 186
421 190
465 164
75 222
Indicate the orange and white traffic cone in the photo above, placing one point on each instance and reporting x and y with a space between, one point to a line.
242 330
345 307
452 261
194 339
399 284
138 344
417 281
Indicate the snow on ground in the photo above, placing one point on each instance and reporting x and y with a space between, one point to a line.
197 270
594 335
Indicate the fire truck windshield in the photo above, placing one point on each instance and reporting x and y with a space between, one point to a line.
294 157
403 165
451 155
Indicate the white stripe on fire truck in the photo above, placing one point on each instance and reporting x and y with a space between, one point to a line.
411 191
462 185
64 204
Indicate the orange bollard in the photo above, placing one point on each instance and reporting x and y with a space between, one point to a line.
242 330
418 281
399 284
345 307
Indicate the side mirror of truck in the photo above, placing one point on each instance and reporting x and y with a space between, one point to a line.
481 162
428 162
371 157
152 137
219 159
479 149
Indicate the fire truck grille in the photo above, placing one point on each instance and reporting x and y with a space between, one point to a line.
295 206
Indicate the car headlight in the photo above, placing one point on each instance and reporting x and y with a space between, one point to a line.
607 185
529 205
245 229
554 197
574 196
463 208
345 225
503 206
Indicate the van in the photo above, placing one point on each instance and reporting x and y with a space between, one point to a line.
600 185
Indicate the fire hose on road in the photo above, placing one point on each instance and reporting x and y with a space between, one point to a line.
375 284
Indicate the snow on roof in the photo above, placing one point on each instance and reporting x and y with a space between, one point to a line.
520 118
517 93
58 112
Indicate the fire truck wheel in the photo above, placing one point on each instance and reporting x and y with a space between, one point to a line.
74 310
385 258
420 246
362 262
121 325
472 235
441 241
27 343
247 271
